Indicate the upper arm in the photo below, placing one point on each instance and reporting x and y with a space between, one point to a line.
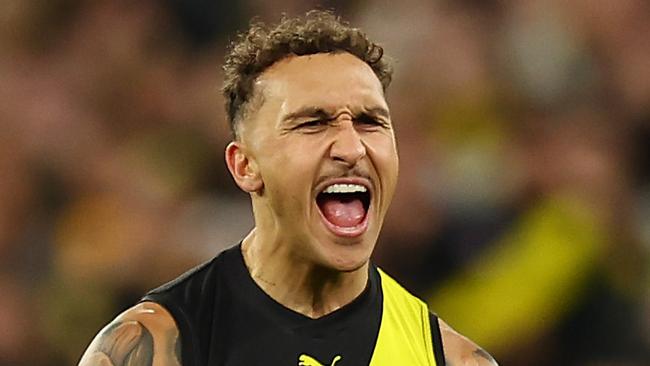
142 335
460 351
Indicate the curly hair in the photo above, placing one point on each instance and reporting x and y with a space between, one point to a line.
262 45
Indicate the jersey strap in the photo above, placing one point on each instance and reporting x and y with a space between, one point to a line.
405 332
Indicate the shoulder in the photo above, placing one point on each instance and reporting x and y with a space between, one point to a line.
460 351
142 335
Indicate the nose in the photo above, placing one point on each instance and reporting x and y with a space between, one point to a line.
347 146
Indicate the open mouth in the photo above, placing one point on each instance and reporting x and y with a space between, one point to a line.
344 205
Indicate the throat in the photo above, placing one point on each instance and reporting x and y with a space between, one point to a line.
315 296
306 289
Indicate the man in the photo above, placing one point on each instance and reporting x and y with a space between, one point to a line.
314 147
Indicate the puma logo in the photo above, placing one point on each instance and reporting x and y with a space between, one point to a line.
306 360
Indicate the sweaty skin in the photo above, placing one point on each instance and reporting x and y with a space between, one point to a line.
460 351
323 120
312 131
144 335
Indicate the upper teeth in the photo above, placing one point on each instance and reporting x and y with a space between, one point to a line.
345 188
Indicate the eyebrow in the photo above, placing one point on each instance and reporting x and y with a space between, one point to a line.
318 112
307 112
377 112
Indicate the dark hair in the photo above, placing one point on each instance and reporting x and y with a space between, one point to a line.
262 45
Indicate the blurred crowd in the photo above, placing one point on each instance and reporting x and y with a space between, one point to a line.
522 213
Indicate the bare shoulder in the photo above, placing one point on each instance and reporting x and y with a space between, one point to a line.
460 351
141 336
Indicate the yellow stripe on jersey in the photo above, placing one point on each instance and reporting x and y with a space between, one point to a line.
404 334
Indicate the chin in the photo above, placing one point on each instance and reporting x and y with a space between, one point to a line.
347 258
351 266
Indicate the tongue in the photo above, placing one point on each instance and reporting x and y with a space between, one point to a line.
346 213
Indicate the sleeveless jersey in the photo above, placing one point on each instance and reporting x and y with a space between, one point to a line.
225 319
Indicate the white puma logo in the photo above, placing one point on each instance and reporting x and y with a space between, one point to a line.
306 360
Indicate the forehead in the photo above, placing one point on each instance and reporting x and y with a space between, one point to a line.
330 81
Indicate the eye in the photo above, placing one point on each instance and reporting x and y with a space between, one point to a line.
369 121
312 124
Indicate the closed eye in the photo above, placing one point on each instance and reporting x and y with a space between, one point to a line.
370 121
312 124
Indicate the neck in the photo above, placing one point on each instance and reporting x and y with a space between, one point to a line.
298 284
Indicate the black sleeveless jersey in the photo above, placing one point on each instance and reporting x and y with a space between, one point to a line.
224 318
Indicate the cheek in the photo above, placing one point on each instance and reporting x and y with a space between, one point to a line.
287 168
391 173
385 159
384 150
298 155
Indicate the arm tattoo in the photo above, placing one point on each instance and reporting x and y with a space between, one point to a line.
477 353
481 353
127 344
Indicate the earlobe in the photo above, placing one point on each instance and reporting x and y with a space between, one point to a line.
242 168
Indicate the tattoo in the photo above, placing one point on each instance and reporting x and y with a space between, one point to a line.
127 344
477 353
481 353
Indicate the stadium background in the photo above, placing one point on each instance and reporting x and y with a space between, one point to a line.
523 209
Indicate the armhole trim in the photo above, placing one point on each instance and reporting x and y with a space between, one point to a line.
436 336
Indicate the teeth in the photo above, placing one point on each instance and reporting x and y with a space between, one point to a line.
345 188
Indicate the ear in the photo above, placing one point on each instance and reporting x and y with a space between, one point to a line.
242 168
